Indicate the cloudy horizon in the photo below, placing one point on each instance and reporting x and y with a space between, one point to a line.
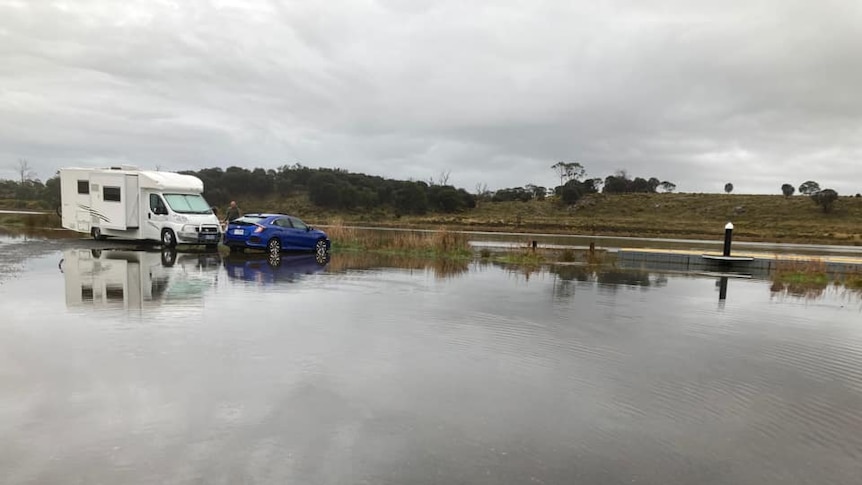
756 93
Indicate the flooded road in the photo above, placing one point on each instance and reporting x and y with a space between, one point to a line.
125 366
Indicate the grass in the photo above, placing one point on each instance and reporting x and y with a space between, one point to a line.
809 279
33 205
30 221
809 272
697 216
525 257
853 281
441 243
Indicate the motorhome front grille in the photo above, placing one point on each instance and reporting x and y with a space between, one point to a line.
211 229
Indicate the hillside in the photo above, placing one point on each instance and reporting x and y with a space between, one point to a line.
700 216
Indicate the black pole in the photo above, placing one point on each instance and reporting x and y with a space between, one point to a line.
728 235
722 288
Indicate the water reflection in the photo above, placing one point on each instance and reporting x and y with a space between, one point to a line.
458 371
442 268
266 269
569 277
135 279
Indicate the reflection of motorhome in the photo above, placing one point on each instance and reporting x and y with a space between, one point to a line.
127 203
134 279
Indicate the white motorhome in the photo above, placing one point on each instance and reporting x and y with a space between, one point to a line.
127 203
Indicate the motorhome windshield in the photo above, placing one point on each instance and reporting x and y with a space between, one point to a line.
188 204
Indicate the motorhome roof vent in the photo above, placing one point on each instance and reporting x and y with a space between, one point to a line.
123 167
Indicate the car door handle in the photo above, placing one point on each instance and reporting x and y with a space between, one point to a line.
149 215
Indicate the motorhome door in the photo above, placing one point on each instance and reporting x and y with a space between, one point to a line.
115 199
157 215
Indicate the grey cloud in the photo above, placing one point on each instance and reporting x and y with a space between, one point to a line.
757 93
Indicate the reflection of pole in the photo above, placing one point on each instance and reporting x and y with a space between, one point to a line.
722 289
728 235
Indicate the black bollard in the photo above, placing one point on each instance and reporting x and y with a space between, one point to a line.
728 235
722 288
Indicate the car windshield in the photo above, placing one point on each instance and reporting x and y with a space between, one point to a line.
188 204
247 220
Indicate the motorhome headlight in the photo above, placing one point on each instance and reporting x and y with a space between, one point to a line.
189 228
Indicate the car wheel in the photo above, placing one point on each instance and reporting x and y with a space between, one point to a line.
274 247
169 239
321 259
169 256
97 234
274 261
320 247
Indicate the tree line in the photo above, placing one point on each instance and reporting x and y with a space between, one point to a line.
343 190
325 187
333 189
824 198
574 185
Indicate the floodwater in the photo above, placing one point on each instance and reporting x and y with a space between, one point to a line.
127 366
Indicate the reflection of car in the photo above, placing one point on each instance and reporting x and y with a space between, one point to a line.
275 269
274 232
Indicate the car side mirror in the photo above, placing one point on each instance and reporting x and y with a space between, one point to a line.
307 228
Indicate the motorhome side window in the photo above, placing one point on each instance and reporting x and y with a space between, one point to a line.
157 205
111 194
83 186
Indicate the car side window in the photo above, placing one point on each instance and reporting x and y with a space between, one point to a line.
298 224
282 222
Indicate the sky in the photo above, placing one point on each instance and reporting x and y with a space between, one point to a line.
700 93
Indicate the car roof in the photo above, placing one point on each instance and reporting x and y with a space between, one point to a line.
267 215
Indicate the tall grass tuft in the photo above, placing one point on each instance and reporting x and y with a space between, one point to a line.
811 271
853 281
435 243
800 278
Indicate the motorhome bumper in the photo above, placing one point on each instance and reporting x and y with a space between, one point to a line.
199 237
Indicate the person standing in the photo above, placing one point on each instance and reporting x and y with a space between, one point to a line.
233 212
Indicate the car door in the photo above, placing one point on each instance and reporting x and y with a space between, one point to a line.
302 236
282 227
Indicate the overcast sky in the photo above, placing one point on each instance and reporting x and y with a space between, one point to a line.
753 92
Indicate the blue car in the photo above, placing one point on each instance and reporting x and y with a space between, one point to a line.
274 233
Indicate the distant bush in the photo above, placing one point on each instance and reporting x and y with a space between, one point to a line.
825 199
621 184
809 188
